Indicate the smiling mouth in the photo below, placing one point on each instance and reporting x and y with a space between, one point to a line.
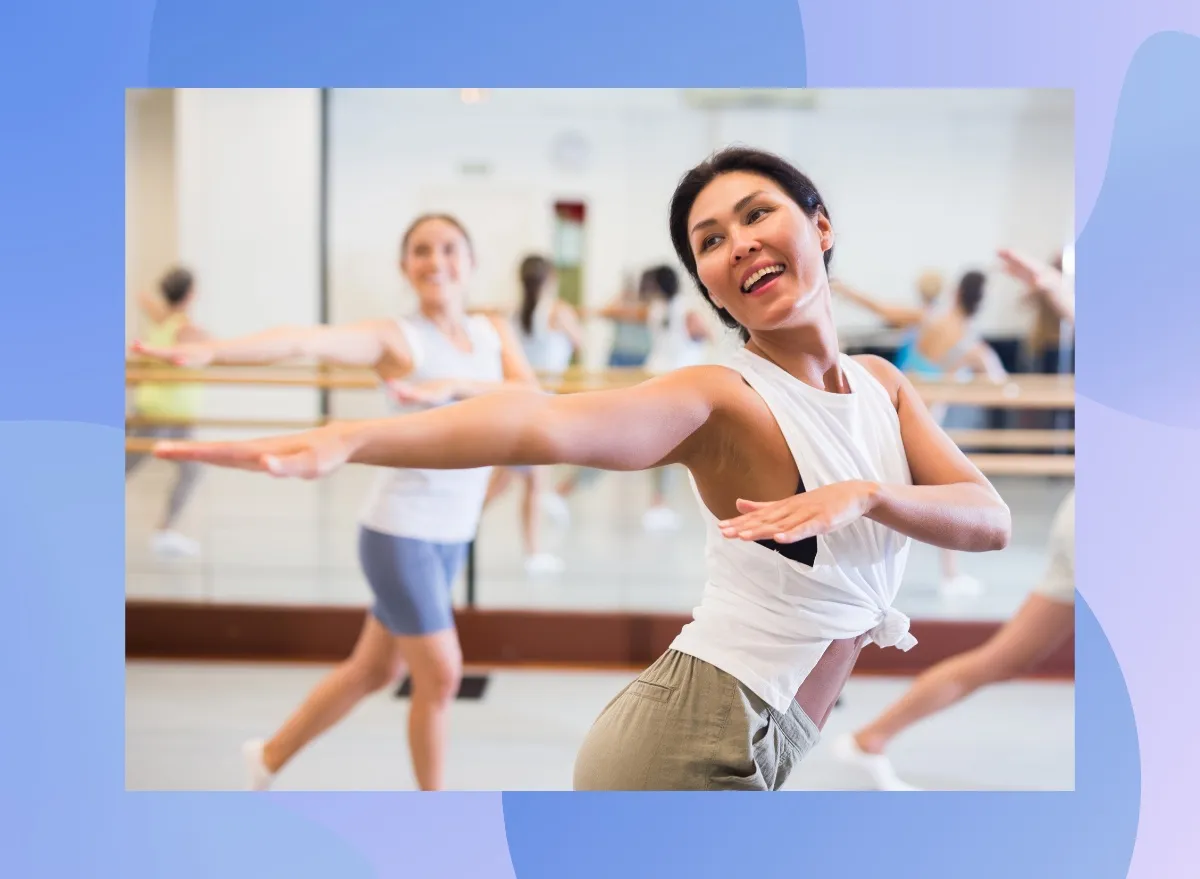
761 278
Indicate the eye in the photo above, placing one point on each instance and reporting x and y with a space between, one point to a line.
708 243
756 214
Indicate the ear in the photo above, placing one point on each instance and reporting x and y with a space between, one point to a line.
825 230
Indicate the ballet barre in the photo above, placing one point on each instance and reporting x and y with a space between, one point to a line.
989 464
1019 392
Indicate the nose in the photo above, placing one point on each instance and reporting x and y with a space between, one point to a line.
743 246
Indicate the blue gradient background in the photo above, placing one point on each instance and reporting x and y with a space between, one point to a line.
1135 72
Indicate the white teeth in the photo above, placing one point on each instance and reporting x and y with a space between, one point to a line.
753 279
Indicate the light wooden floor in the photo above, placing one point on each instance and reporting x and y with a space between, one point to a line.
185 724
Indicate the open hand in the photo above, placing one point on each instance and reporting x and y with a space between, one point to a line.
428 393
190 354
308 455
801 516
1023 268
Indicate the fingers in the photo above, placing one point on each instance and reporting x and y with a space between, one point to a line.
749 506
300 465
240 455
157 352
788 530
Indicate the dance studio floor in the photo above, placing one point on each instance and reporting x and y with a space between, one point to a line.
270 541
185 724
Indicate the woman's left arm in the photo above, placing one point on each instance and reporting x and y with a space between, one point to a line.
950 504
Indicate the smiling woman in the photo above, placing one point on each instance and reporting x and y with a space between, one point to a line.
843 462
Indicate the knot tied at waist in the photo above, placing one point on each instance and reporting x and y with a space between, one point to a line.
892 630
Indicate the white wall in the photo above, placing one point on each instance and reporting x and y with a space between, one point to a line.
248 170
914 179
151 243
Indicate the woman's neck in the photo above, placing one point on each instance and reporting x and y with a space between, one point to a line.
809 353
446 318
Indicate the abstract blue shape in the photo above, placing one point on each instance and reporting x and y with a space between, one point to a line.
1085 833
514 44
1138 276
200 836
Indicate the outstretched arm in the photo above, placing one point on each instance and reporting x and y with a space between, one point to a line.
366 343
1044 280
658 422
895 315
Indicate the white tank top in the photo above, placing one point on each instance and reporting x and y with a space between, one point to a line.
547 349
767 619
671 347
442 506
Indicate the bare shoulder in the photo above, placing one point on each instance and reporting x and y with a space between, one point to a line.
885 372
501 324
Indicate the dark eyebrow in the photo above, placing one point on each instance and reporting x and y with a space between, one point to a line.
737 209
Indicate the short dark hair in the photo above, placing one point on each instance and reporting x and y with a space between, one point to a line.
796 184
970 292
176 285
664 279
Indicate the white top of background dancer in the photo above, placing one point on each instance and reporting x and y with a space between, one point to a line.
549 349
437 505
766 619
674 342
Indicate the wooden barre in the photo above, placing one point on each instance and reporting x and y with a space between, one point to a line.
166 373
1013 439
992 465
1012 395
990 439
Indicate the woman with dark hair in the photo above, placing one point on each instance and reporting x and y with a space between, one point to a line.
417 523
1042 624
843 460
549 331
947 344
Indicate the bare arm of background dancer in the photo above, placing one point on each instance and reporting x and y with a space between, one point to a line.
378 344
700 417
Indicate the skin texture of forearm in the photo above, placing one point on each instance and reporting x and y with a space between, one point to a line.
629 429
961 516
345 345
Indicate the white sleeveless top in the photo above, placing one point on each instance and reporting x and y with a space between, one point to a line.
547 349
442 506
671 347
767 619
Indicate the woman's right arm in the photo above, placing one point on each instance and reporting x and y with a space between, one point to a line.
366 343
658 422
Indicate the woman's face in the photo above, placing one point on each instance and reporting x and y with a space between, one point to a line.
760 257
437 261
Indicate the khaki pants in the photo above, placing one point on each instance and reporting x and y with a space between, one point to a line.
687 725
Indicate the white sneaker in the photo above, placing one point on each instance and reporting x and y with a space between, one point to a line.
544 563
877 766
961 585
555 506
660 519
174 545
258 777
